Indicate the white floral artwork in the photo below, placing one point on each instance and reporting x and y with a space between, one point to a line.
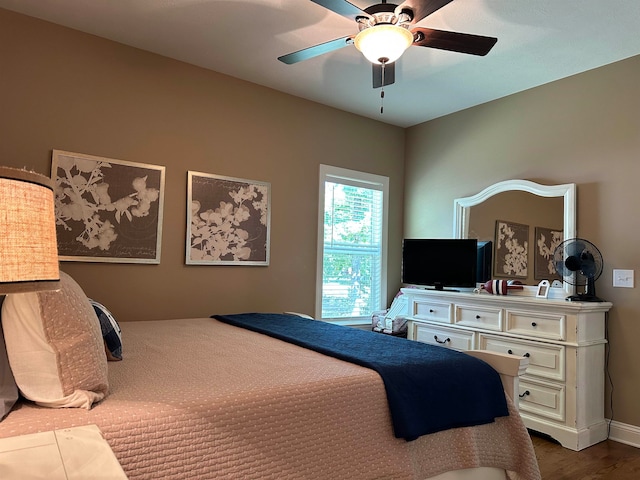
227 220
107 210
512 250
547 240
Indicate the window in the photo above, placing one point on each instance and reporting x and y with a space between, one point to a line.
352 244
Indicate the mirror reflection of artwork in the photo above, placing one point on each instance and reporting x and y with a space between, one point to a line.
511 250
547 240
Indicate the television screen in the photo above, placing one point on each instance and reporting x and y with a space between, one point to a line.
440 263
484 265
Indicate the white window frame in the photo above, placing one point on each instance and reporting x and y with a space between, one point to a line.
358 179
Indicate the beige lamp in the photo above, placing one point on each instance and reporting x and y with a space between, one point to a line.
28 247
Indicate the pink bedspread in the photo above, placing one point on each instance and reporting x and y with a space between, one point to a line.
196 398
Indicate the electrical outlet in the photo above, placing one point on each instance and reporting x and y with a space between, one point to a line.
623 278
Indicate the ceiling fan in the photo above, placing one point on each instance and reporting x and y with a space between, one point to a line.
386 30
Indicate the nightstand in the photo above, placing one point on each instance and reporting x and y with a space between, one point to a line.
69 454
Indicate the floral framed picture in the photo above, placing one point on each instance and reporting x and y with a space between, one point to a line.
107 210
228 220
547 240
511 250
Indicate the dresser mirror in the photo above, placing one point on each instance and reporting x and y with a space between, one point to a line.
533 208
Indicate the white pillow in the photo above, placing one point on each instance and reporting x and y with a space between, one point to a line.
55 346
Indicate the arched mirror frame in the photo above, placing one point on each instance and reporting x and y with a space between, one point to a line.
462 206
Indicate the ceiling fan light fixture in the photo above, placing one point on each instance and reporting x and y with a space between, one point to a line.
383 42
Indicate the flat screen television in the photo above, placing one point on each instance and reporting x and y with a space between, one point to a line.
440 263
485 262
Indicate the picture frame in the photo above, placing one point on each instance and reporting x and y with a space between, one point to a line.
543 289
228 220
511 250
107 210
546 242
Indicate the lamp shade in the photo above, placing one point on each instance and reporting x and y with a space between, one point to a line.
28 246
383 42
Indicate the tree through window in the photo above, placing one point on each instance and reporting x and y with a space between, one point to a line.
352 248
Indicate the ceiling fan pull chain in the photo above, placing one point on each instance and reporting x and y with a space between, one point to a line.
382 89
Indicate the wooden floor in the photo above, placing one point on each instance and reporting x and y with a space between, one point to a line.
607 460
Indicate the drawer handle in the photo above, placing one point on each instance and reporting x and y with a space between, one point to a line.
526 355
526 392
431 310
435 337
477 317
534 324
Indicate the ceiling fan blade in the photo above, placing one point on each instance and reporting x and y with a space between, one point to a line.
389 74
342 7
421 8
453 41
316 50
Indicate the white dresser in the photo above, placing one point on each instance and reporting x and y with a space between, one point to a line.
562 391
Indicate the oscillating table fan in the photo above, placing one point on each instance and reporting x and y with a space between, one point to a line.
579 262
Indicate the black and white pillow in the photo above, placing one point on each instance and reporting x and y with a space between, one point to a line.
111 332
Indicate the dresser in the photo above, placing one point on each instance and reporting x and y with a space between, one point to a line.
562 392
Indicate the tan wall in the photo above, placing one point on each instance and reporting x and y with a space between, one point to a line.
62 89
584 129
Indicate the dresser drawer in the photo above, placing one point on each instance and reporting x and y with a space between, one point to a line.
443 336
432 310
542 399
488 318
541 325
547 361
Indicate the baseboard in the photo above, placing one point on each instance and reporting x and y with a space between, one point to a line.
624 433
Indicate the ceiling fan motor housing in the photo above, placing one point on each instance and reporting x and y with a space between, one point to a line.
384 13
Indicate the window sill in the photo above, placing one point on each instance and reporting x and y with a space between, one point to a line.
351 322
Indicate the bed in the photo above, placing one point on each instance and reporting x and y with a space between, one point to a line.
199 398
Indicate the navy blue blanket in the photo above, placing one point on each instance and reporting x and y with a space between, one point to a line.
429 388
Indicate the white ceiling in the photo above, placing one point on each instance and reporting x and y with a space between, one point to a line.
539 41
